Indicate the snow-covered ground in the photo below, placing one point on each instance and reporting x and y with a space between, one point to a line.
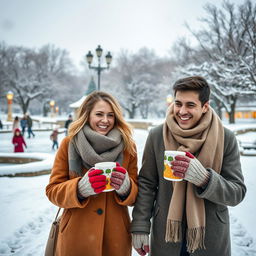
26 213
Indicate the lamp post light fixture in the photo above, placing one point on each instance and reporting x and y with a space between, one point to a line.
52 103
57 110
99 68
9 97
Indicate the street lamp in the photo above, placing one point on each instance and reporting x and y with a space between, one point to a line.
52 103
9 97
57 110
99 68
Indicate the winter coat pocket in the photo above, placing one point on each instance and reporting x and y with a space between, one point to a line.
64 220
223 215
126 220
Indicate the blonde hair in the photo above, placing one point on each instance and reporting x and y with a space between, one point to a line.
84 114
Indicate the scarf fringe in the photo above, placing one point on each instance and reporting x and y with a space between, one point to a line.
195 239
173 231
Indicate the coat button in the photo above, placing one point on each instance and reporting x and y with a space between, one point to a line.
99 211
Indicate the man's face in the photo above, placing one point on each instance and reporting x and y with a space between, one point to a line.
188 109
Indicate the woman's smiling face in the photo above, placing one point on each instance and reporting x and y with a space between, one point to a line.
102 117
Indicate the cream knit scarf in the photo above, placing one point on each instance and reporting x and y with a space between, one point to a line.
89 147
206 141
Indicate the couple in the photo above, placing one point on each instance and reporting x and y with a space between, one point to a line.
188 217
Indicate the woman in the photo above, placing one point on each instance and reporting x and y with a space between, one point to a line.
95 223
15 124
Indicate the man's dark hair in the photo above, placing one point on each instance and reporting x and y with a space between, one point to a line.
194 83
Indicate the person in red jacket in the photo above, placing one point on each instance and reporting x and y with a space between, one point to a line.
18 141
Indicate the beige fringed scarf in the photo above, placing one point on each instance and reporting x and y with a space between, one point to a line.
206 141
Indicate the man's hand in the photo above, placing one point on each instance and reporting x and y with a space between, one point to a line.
189 168
120 180
140 243
93 182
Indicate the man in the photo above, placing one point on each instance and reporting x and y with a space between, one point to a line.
189 217
30 124
67 123
23 124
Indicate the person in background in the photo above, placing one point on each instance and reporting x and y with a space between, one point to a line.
18 141
15 124
54 138
23 124
94 222
1 125
189 217
67 123
30 124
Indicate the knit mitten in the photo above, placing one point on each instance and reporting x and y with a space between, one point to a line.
140 242
189 168
93 182
120 181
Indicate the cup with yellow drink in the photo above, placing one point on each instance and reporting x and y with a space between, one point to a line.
169 156
107 168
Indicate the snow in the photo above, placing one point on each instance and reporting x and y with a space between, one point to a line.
27 213
78 103
45 162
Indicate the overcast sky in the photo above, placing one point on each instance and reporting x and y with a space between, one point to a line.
80 25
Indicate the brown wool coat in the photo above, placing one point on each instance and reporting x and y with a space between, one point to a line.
97 226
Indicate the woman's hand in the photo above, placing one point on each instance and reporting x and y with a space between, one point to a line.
120 180
93 182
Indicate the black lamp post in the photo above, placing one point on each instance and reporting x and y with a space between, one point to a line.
99 68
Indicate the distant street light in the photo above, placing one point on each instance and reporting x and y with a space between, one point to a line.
52 103
57 110
99 68
169 99
9 97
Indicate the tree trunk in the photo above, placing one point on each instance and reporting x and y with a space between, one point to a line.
232 111
231 115
219 110
24 106
144 110
132 111
217 105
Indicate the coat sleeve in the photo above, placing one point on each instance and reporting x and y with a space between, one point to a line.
61 190
226 188
132 168
148 184
23 141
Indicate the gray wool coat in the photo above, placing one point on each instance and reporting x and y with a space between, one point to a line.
152 203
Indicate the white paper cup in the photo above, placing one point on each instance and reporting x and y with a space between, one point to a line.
168 157
107 168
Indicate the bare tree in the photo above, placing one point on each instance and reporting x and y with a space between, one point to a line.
31 73
226 52
226 84
137 81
